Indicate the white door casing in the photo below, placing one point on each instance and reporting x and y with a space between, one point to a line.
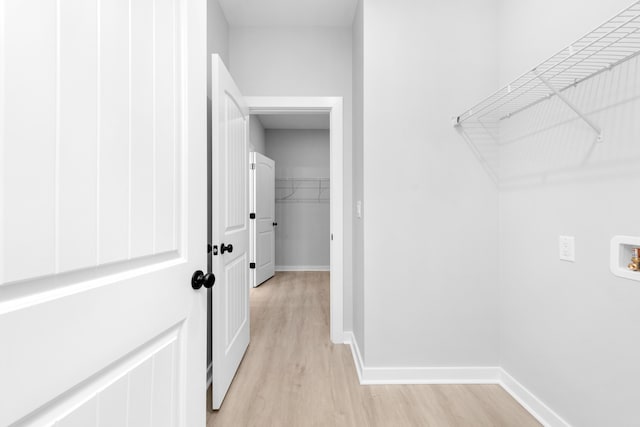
103 212
263 205
332 105
230 228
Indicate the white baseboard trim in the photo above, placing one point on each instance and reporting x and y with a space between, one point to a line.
302 268
209 374
529 401
350 339
430 375
454 375
419 375
340 338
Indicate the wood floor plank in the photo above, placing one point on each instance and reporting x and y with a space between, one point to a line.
292 375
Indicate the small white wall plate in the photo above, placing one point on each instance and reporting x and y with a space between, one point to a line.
621 253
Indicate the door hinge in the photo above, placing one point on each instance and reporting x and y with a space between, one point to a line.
252 215
252 265
253 165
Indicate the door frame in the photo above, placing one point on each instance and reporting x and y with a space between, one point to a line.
332 105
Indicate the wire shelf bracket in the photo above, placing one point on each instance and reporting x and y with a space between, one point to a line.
571 105
611 44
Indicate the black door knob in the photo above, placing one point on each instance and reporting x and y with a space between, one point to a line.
275 224
227 248
199 279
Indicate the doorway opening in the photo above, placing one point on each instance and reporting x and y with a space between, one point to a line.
290 193
318 108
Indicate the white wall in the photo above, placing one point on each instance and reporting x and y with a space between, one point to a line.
302 235
358 224
256 135
301 62
217 31
569 331
217 42
430 210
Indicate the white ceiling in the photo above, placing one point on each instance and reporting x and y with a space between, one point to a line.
295 121
291 13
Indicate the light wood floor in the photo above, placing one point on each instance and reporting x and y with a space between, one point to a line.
293 376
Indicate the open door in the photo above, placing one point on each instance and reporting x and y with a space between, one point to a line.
230 228
103 213
263 205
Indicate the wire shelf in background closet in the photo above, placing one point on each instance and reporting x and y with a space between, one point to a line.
609 45
302 190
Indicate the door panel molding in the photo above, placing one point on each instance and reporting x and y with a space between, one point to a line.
42 290
109 170
236 299
53 286
108 379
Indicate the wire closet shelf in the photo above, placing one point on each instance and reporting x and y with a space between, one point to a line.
302 190
611 44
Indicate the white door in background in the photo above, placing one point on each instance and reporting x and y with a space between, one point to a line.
263 198
103 212
230 228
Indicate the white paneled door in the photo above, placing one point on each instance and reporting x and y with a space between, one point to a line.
230 228
263 205
103 212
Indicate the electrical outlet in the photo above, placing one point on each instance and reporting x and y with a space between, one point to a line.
567 248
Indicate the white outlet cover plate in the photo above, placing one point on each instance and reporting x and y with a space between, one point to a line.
567 248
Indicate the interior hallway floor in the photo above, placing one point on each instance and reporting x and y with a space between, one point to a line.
292 375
